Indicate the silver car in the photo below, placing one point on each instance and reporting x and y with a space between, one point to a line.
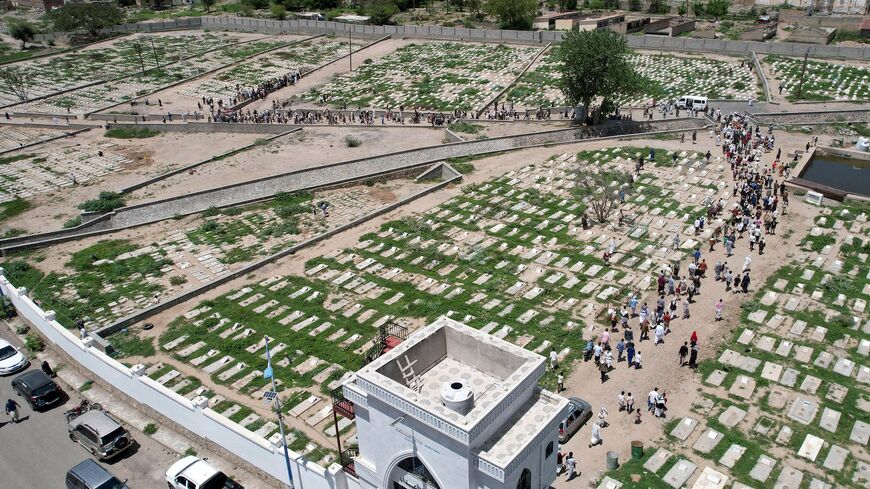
100 434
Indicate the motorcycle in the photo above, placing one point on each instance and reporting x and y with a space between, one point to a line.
83 407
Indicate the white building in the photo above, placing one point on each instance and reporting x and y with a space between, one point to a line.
454 408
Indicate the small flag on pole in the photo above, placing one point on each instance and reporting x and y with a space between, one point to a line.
268 373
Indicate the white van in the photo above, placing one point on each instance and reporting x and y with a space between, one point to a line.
692 102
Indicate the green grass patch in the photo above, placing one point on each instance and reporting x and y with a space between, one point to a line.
4 160
131 133
130 344
13 208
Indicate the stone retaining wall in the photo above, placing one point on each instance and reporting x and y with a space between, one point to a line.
813 117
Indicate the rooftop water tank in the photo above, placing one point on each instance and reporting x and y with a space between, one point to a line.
458 397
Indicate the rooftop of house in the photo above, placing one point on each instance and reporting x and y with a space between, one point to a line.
446 352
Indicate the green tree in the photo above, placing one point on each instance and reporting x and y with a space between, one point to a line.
208 4
381 11
512 14
595 64
14 82
22 31
683 9
634 5
698 8
611 4
718 8
89 17
659 7
277 11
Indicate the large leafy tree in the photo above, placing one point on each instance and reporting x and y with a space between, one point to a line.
89 17
512 14
14 82
595 64
22 31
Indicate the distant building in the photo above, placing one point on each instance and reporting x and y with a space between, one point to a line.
852 7
46 5
810 34
452 407
353 19
670 26
566 21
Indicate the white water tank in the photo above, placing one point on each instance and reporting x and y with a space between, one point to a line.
458 397
863 144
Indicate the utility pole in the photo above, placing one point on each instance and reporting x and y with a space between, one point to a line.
154 50
139 52
277 405
350 46
800 89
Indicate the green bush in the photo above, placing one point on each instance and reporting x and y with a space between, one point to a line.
131 133
150 429
105 202
34 342
352 141
177 280
71 223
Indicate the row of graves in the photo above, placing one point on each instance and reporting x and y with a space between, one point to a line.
822 81
96 97
121 58
25 174
299 57
665 77
785 403
508 257
13 137
429 75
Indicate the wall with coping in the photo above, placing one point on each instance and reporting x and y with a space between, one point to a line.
720 46
814 117
332 174
193 416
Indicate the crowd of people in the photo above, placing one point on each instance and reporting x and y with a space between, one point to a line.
746 221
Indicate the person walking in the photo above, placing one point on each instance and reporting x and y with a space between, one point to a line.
629 353
561 382
629 403
693 356
744 284
637 361
12 410
602 368
684 351
620 400
720 308
596 435
570 466
660 334
620 349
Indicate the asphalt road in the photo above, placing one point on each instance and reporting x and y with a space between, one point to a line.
37 452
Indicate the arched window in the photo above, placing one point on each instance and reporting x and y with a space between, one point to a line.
415 467
525 481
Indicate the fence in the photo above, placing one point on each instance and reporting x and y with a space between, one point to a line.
192 416
720 46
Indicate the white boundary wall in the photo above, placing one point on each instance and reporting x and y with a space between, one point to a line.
201 421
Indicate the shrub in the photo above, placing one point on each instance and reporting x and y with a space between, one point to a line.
150 429
131 133
71 223
208 226
34 342
352 141
177 280
105 202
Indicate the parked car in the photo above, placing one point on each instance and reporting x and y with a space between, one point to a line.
39 390
690 102
100 434
91 475
11 360
579 412
194 473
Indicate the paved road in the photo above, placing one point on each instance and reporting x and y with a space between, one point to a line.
36 452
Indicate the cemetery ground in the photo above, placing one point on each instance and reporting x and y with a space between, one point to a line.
121 69
824 80
665 76
321 307
40 175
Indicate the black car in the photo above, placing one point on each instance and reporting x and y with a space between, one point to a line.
39 390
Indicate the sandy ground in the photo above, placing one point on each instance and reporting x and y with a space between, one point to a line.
311 147
151 156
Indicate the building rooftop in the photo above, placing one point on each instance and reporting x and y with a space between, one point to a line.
446 352
507 444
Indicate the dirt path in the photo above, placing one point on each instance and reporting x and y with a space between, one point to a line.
660 363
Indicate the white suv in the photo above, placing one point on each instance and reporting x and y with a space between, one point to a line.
194 473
